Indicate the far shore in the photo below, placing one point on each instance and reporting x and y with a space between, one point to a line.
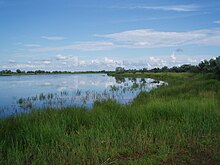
25 74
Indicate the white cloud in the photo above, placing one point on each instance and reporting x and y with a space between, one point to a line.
141 38
46 62
111 62
148 38
157 62
69 60
74 61
173 8
83 46
23 66
61 57
173 60
192 61
105 62
153 59
54 38
12 61
173 57
31 45
27 45
150 18
178 8
217 22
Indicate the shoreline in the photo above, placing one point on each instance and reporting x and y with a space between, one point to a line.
30 74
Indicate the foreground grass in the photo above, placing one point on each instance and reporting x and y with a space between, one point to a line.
176 124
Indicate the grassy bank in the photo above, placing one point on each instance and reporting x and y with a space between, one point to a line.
175 124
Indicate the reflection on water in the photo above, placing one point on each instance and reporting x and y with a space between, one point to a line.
23 93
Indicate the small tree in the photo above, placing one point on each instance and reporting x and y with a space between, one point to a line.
18 71
119 70
165 69
217 61
145 69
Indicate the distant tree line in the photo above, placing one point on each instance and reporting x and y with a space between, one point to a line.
211 66
18 71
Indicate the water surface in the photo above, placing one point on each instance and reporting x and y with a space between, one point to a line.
23 93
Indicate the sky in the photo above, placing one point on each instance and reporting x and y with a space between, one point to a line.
80 35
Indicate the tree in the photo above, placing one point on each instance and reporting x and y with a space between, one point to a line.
119 70
203 66
18 71
145 69
165 69
217 61
155 70
6 72
30 72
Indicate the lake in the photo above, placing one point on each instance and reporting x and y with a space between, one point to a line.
20 94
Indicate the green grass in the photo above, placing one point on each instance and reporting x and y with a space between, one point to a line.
175 124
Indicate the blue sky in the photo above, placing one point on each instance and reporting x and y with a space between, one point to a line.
103 34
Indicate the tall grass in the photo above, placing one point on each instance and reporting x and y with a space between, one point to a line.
175 124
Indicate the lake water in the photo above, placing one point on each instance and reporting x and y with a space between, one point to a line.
22 93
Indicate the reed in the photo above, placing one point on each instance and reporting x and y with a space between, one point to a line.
175 124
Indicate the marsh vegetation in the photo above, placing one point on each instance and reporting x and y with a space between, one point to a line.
58 91
174 124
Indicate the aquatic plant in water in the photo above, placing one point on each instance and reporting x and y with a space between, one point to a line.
122 92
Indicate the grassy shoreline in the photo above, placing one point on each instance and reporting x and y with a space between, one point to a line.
175 124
